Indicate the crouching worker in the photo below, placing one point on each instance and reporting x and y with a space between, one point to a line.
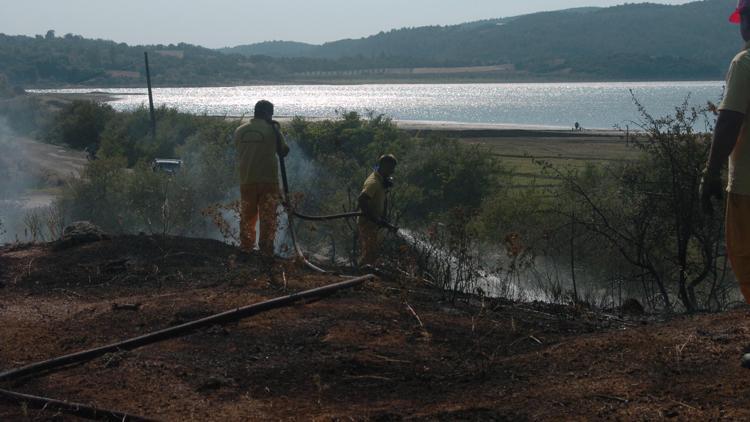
257 144
373 203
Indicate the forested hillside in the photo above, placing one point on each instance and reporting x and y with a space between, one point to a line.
629 42
73 60
632 41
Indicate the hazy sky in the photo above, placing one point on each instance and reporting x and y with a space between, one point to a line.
218 23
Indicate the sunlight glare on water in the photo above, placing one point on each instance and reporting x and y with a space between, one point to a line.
594 105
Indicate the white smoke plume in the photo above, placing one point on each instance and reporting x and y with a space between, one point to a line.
25 198
14 181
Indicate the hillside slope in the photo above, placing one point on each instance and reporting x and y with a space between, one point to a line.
390 350
630 41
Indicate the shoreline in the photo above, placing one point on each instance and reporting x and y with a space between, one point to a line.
466 129
453 128
500 128
338 82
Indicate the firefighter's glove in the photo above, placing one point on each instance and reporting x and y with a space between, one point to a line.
385 224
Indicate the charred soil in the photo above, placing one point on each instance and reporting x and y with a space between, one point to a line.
389 350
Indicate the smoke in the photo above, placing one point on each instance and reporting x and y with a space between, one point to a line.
27 184
14 174
15 179
301 173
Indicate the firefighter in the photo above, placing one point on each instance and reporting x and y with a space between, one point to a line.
258 143
373 204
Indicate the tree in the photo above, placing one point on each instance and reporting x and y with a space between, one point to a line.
80 124
648 211
50 35
5 88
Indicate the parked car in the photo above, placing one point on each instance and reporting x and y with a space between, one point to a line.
166 165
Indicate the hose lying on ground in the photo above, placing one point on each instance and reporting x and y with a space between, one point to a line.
75 409
155 337
181 330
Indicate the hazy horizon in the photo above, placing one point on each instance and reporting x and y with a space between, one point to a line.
222 23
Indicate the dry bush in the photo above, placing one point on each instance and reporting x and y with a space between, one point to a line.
219 215
34 224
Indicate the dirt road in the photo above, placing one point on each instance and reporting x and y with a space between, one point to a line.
32 175
52 160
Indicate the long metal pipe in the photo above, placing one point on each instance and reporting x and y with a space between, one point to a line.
181 330
70 408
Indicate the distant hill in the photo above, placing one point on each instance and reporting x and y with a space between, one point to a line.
274 49
628 42
632 41
71 60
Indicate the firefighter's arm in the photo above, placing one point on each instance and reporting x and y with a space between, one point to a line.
728 127
282 147
727 130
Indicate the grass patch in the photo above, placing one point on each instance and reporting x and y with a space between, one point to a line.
518 154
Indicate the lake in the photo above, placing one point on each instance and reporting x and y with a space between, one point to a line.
594 105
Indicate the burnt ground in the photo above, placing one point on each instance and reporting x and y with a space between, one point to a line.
358 355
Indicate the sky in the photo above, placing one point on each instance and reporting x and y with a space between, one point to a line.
220 23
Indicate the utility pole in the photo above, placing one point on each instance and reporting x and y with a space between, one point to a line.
627 135
573 255
150 97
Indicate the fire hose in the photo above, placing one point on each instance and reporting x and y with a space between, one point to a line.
291 212
76 409
287 205
146 339
326 217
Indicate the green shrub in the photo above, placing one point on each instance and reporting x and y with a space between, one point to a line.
128 134
121 192
434 175
80 124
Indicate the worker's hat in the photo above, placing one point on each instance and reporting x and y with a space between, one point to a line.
387 157
742 5
263 107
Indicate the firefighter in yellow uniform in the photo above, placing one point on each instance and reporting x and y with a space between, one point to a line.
373 203
258 143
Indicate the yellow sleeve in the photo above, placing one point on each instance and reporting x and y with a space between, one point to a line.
737 95
370 188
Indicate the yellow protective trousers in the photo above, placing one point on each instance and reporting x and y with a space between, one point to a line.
370 238
259 201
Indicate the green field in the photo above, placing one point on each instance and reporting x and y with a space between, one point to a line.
518 153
